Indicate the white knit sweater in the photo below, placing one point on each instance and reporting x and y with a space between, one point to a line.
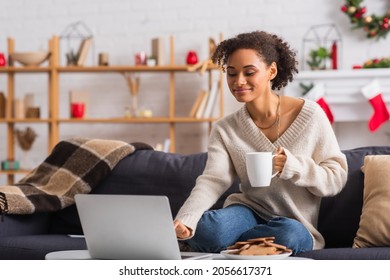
315 168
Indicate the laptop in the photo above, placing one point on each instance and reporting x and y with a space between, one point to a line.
130 227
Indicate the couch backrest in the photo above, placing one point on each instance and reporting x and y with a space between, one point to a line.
340 215
174 176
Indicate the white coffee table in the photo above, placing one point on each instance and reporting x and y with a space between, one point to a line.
84 255
69 255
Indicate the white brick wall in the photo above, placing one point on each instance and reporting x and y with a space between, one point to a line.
123 27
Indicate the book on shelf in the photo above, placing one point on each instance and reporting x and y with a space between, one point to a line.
196 104
158 50
202 106
19 108
208 111
83 51
29 100
3 101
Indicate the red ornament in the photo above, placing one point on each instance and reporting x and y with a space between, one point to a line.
192 57
3 61
358 15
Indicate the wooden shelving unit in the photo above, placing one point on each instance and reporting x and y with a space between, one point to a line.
53 121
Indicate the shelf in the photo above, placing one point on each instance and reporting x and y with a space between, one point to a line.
25 69
194 120
14 172
30 120
53 120
127 68
341 74
97 69
138 120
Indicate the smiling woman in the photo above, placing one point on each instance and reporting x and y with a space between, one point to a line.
262 62
307 158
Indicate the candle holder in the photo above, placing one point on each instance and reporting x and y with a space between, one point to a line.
74 35
133 84
322 47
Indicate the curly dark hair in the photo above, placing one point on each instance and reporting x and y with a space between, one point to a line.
270 48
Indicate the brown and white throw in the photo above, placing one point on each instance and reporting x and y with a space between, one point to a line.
74 166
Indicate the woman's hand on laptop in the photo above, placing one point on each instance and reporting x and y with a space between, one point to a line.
181 230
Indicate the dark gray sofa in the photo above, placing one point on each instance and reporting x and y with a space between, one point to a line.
151 172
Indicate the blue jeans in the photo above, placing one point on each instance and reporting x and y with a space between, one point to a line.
218 229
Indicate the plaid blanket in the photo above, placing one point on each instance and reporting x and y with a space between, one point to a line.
74 166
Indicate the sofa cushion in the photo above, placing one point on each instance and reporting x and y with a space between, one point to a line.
35 247
146 172
379 253
374 226
14 225
340 215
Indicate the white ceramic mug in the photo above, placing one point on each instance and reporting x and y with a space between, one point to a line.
259 167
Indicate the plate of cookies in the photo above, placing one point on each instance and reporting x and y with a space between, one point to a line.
263 248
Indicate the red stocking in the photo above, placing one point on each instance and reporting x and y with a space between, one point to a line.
326 109
373 93
317 94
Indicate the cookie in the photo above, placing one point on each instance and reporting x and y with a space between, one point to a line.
261 239
259 250
258 246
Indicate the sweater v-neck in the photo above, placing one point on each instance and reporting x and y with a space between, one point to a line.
287 137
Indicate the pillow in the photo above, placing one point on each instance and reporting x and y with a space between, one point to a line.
374 226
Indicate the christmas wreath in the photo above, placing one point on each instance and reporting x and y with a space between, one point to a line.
375 26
